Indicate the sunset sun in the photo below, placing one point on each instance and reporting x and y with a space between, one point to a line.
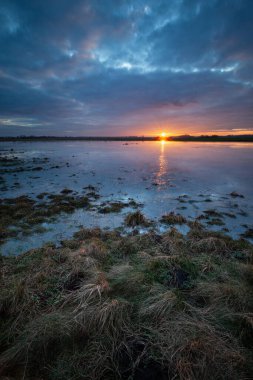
163 136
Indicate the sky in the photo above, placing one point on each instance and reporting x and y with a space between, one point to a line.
114 67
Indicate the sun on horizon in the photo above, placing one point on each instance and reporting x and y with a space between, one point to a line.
163 136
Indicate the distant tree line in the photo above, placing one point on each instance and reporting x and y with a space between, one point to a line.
211 138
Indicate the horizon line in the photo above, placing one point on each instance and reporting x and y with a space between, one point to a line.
184 137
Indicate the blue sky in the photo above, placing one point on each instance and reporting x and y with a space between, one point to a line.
112 67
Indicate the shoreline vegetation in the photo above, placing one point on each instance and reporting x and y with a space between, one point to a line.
25 215
104 305
202 138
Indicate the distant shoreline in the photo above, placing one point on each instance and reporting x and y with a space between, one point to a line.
229 138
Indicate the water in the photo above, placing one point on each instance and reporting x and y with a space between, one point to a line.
184 177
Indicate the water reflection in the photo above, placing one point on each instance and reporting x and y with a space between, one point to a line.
163 165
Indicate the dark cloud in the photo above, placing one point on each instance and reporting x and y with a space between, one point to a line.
122 67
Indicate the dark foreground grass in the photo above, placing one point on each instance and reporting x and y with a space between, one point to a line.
105 306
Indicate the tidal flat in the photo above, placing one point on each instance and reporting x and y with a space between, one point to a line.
78 183
126 260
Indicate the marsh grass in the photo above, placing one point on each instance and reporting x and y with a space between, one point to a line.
106 306
25 215
21 214
136 219
112 207
173 218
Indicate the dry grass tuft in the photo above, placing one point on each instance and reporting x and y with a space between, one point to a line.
110 317
159 304
37 337
204 356
89 253
89 293
173 243
232 296
97 250
210 245
195 225
173 218
193 349
88 233
126 280
136 219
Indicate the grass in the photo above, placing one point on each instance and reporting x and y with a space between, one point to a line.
23 213
248 233
173 218
106 306
116 207
159 304
136 219
112 207
216 222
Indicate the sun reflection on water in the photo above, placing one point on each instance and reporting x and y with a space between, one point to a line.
163 165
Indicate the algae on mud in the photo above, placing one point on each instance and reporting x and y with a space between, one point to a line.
151 306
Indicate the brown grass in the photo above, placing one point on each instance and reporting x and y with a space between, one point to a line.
173 218
109 308
159 304
136 219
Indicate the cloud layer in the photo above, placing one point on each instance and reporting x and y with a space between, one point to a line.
120 67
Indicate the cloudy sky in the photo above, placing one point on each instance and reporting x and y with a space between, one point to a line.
114 67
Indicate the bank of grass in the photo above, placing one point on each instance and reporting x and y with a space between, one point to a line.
105 306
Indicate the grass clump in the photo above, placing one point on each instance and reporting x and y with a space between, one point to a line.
112 207
248 233
173 218
159 304
216 222
136 219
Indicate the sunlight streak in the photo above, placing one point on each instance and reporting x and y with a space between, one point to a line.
162 170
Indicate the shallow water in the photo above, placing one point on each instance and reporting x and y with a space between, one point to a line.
185 177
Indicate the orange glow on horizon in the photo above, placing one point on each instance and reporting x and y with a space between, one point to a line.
166 130
182 132
163 136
